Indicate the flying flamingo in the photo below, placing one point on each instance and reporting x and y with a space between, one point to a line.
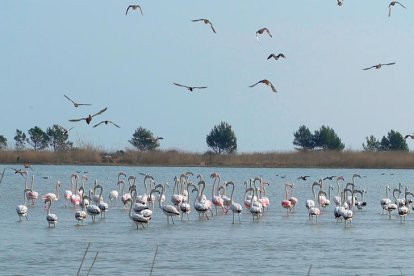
51 218
168 210
236 208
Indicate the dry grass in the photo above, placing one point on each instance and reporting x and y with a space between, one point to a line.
326 159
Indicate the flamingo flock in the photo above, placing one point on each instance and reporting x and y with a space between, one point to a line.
139 201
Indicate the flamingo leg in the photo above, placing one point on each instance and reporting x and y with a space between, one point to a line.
172 220
233 217
239 218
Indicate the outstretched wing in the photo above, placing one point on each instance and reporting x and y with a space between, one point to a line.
195 20
199 87
281 55
391 63
77 120
253 85
211 25
273 87
401 5
271 56
139 7
114 124
389 10
99 124
127 9
69 99
180 85
100 112
369 67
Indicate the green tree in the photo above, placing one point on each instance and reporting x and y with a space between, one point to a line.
372 144
303 139
143 139
222 139
20 140
38 138
326 138
393 142
58 138
3 142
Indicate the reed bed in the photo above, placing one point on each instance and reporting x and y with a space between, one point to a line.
296 159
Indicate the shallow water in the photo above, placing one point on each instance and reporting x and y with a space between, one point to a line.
279 244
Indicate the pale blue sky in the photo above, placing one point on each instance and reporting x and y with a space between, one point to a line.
92 52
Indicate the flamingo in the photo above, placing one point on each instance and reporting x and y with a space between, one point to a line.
235 207
292 199
200 206
51 218
311 202
202 198
52 196
92 210
103 206
216 198
31 194
247 196
168 210
185 207
287 204
347 214
385 201
264 200
176 198
137 218
338 199
81 215
21 209
256 208
125 197
76 197
68 193
113 195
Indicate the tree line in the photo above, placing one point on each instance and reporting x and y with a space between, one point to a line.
221 139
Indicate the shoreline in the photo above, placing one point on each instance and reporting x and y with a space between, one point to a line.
174 158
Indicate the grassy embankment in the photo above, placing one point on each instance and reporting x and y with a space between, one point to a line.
91 156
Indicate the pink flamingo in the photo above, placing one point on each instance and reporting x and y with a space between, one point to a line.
168 210
292 199
125 197
31 194
256 208
68 193
216 198
264 200
287 204
21 209
201 206
52 196
113 195
185 206
52 219
248 196
177 198
75 198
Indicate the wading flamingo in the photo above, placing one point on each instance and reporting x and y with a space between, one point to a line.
31 194
137 218
168 210
52 196
51 218
21 209
235 207
215 197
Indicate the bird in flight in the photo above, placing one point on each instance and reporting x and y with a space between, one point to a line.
261 31
276 57
303 177
89 118
65 131
206 21
75 103
190 88
134 7
106 122
409 136
340 2
378 66
19 171
392 4
329 177
268 83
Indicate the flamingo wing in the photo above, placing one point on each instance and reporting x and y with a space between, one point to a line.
211 25
180 85
114 124
369 67
99 124
70 99
391 63
77 120
100 112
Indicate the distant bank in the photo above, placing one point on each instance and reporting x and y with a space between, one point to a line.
311 159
